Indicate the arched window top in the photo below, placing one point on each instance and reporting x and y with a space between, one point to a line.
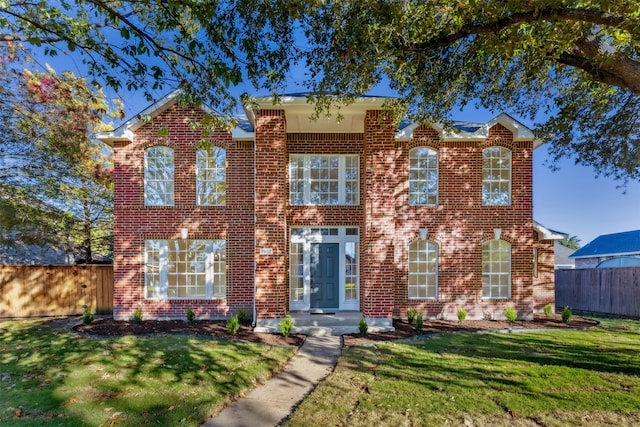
423 176
423 151
496 176
497 244
158 149
158 176
494 150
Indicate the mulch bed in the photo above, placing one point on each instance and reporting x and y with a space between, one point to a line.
405 330
212 328
217 329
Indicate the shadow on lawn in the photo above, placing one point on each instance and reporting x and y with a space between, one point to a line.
575 349
69 379
510 370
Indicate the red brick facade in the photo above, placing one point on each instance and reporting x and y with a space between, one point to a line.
135 222
257 219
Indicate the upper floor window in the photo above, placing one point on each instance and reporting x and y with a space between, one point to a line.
211 177
423 176
183 269
496 176
324 179
496 269
423 269
158 176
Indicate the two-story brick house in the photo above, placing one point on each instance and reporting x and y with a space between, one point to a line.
286 214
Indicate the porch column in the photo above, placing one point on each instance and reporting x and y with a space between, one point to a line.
270 215
380 180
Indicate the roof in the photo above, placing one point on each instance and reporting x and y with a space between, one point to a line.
477 131
349 118
547 233
125 131
616 244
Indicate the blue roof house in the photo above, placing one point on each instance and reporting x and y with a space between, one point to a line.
610 250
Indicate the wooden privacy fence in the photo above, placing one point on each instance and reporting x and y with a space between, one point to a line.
55 290
600 290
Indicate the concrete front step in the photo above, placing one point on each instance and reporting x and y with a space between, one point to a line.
326 324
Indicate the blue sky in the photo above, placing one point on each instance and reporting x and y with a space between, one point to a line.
571 200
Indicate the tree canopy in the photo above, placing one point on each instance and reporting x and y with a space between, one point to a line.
571 242
56 180
570 65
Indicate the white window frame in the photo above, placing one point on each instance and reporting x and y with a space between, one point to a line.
496 272
211 164
306 180
492 177
158 269
419 257
303 238
423 155
154 182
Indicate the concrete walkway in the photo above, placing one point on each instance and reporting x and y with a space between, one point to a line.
269 404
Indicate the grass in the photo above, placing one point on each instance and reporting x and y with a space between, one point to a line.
553 378
59 378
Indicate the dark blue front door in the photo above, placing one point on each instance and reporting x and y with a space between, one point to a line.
325 272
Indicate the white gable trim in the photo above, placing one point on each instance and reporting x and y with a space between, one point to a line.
125 131
520 131
548 234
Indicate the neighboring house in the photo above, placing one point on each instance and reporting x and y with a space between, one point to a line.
618 249
286 214
562 258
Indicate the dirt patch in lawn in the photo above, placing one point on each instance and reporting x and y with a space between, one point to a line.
406 330
213 328
218 329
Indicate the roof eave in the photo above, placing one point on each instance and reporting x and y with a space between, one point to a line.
598 255
520 131
548 234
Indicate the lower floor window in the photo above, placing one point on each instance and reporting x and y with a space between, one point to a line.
185 269
423 269
496 269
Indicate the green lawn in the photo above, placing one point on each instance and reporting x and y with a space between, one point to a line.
553 378
58 378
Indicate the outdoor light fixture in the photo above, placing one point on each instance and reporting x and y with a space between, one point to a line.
497 232
184 233
423 233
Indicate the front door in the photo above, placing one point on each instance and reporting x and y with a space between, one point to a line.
325 275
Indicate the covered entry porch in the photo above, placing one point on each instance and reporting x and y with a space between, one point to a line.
339 323
324 269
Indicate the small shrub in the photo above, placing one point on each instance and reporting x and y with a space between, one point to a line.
286 325
548 310
363 327
419 323
411 315
511 314
462 314
87 316
566 314
191 315
233 325
243 317
137 315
